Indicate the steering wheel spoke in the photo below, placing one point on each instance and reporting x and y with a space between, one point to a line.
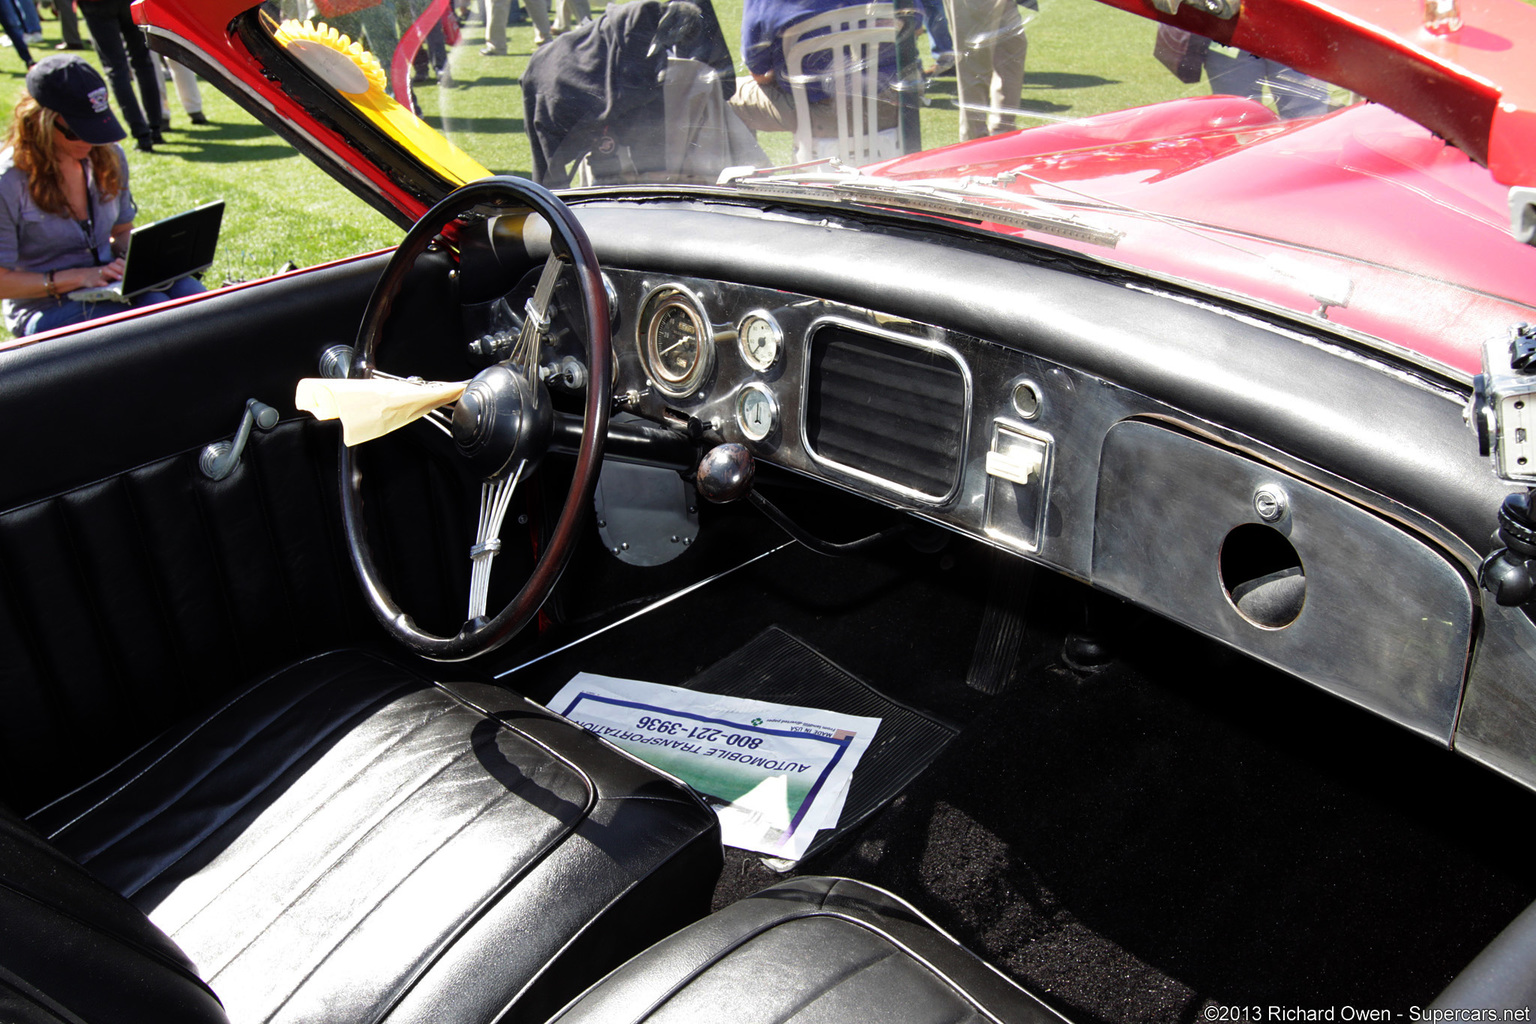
525 351
495 500
502 424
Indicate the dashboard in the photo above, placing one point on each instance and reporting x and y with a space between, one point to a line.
1055 464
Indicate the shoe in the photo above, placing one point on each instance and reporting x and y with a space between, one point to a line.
490 51
444 79
943 67
157 137
33 37
144 144
198 118
69 46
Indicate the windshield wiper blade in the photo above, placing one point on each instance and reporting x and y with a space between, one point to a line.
943 200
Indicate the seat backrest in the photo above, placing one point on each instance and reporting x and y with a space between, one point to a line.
853 35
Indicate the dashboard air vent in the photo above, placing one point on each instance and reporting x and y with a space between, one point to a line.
886 409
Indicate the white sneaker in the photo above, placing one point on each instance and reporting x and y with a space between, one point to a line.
33 37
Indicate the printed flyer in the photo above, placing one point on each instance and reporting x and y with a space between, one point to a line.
775 773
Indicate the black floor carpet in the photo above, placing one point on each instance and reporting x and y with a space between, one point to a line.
1182 828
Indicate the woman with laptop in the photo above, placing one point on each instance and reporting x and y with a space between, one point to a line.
65 208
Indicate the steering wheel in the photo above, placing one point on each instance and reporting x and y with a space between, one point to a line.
501 425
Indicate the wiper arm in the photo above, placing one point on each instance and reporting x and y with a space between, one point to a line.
976 203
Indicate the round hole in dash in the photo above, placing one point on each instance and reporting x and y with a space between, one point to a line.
1262 575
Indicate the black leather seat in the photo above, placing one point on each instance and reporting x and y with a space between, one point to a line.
348 841
811 951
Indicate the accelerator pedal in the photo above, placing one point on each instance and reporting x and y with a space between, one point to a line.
1001 636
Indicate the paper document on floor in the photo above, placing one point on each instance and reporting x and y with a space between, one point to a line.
774 773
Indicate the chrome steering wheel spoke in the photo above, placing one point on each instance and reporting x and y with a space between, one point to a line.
495 500
525 351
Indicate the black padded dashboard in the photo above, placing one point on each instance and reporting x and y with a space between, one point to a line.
1394 431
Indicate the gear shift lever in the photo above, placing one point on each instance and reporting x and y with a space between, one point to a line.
725 473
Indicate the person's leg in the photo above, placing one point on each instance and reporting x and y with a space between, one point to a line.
971 22
437 49
940 43
67 311
179 289
763 110
496 26
1010 48
144 67
570 13
187 92
538 13
11 20
108 40
29 20
69 25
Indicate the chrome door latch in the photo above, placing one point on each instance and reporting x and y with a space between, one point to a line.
220 458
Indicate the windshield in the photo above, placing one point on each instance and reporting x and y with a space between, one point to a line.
1067 123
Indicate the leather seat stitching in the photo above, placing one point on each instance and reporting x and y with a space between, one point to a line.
234 811
340 853
495 801
208 770
251 690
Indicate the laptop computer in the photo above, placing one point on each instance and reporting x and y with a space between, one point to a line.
161 253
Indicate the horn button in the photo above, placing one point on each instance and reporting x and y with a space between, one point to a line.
502 419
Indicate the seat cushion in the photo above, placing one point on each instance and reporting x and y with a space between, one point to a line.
347 840
809 950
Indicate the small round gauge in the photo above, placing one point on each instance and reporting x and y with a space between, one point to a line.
677 343
757 412
761 340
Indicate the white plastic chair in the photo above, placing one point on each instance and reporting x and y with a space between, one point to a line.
854 36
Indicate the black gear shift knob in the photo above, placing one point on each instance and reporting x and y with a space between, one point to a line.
725 473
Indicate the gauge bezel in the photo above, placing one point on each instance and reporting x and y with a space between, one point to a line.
655 305
749 432
746 349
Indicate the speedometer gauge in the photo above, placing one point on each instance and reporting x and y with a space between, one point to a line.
761 340
676 343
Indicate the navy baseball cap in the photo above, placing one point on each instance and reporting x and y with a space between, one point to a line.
71 88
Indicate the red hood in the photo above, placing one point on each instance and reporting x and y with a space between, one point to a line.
1355 195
